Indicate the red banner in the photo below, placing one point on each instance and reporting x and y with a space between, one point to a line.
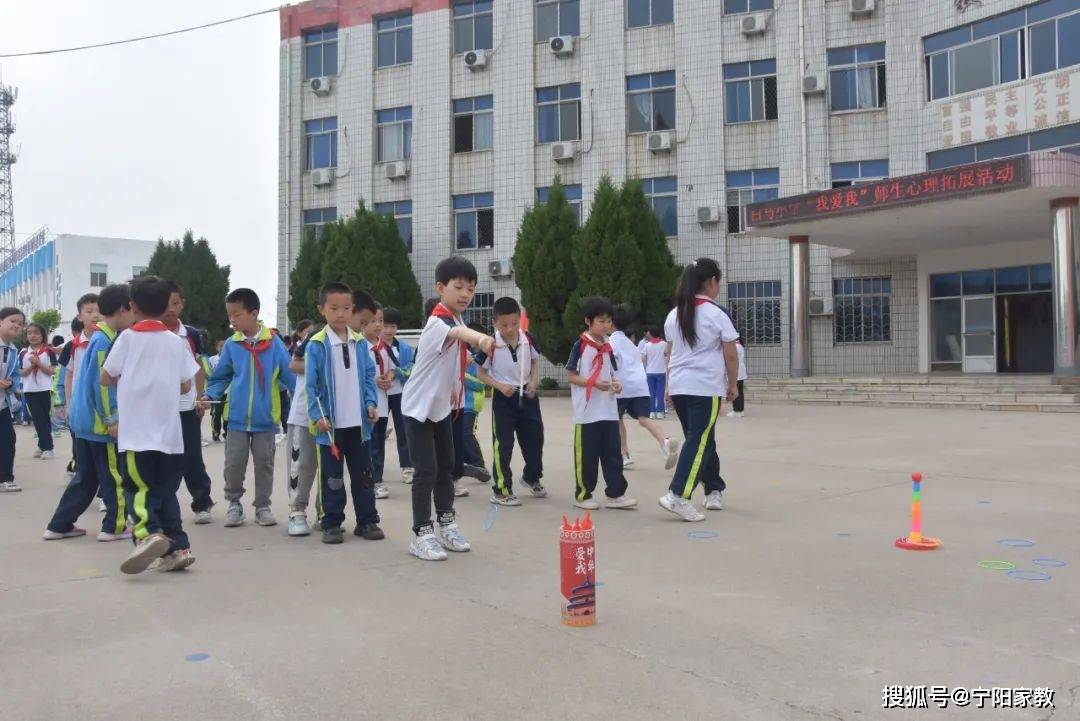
577 561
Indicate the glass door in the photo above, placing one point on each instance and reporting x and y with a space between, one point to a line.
980 342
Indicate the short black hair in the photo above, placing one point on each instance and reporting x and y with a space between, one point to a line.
175 287
333 288
656 331
84 299
151 294
362 300
455 267
57 340
594 306
391 316
114 298
76 326
246 297
505 306
623 316
304 325
429 306
10 311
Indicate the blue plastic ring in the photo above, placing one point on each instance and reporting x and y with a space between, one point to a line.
1028 575
1049 562
1016 542
197 657
702 535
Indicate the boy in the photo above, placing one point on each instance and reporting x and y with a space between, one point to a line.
301 443
152 368
401 360
592 368
342 404
215 411
384 377
513 370
93 414
253 366
435 390
468 458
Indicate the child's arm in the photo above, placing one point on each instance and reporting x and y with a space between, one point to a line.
476 339
406 357
286 378
104 402
313 383
371 393
221 377
534 378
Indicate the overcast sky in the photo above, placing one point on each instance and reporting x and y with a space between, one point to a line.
149 139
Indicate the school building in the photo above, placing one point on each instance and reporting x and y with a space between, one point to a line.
457 115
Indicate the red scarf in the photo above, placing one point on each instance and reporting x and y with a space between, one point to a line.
597 362
702 301
378 349
149 326
441 311
38 353
83 339
657 340
255 349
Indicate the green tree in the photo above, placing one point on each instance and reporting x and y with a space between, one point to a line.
659 273
50 319
305 279
544 268
366 252
193 265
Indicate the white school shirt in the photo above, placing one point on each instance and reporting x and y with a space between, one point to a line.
298 410
699 371
742 362
435 382
382 404
655 357
74 363
631 372
348 409
187 400
150 367
602 406
502 366
40 381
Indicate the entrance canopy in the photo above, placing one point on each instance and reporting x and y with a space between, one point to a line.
997 201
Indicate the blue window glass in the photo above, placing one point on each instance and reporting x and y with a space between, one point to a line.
947 39
939 76
840 56
1041 277
750 91
998 24
394 40
642 13
1049 9
1043 41
944 285
558 113
874 169
739 178
767 176
845 171
978 282
1068 40
321 136
736 70
857 77
870 53
948 158
758 67
1001 148
665 185
1012 280
1056 137
761 194
320 53
1010 57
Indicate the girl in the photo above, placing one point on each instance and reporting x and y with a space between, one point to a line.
37 365
11 324
702 344
654 354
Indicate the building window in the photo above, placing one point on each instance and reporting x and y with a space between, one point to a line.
662 195
480 311
99 275
755 308
1022 43
401 211
859 171
650 102
573 198
474 124
748 186
1065 139
642 13
321 143
557 17
316 218
472 25
857 77
474 221
393 129
750 91
320 53
137 270
734 7
862 310
394 40
558 113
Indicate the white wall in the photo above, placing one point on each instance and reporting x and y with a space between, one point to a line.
75 253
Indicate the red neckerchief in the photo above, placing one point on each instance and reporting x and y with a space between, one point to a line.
149 326
83 339
378 349
657 340
255 349
597 362
702 300
38 353
441 311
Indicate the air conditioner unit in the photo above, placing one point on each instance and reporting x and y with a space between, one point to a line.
708 214
562 45
476 59
563 152
397 170
322 176
500 268
861 7
320 85
814 83
820 306
756 23
659 142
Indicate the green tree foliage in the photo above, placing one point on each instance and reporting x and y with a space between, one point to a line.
305 279
193 265
544 268
658 272
50 319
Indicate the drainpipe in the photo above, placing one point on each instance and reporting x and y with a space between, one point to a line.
288 165
802 95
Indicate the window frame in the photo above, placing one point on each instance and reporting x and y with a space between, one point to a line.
854 66
400 123
399 210
765 188
771 5
861 177
752 75
648 188
652 15
573 198
102 270
651 91
467 204
1031 140
472 112
311 139
471 16
396 30
537 4
322 222
859 303
480 313
137 270
749 301
322 42
559 103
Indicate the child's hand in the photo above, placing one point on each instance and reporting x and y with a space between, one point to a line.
616 386
486 344
373 414
203 405
382 382
113 430
322 425
531 390
6 383
35 361
507 390
603 386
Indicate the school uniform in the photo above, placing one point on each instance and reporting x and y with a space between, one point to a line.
303 455
195 475
9 370
93 410
654 352
37 391
697 384
514 416
340 384
740 403
633 399
466 447
150 364
65 361
377 447
596 420
401 359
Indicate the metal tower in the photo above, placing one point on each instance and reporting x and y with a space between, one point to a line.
8 95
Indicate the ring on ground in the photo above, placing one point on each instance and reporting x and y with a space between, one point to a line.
1029 575
997 565
1016 542
1049 562
702 534
197 657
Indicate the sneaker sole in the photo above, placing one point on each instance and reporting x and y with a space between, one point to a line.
417 555
508 504
233 524
112 537
63 536
334 540
679 516
266 524
673 456
621 507
298 534
587 508
203 521
10 490
146 554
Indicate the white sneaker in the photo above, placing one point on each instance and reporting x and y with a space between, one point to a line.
620 502
298 524
714 501
627 461
406 475
9 487
176 561
278 438
204 443
204 517
451 538
670 450
589 504
101 505
46 455
381 491
460 491
106 537
732 414
38 452
508 499
265 517
426 548
149 550
235 515
681 507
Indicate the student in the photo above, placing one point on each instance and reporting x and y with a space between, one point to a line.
93 421
151 368
384 378
401 360
593 388
88 317
513 370
435 391
468 458
253 366
654 351
11 325
217 408
67 360
342 404
633 398
37 367
702 340
302 451
195 475
739 405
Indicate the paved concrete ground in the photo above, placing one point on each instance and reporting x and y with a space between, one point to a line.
800 609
